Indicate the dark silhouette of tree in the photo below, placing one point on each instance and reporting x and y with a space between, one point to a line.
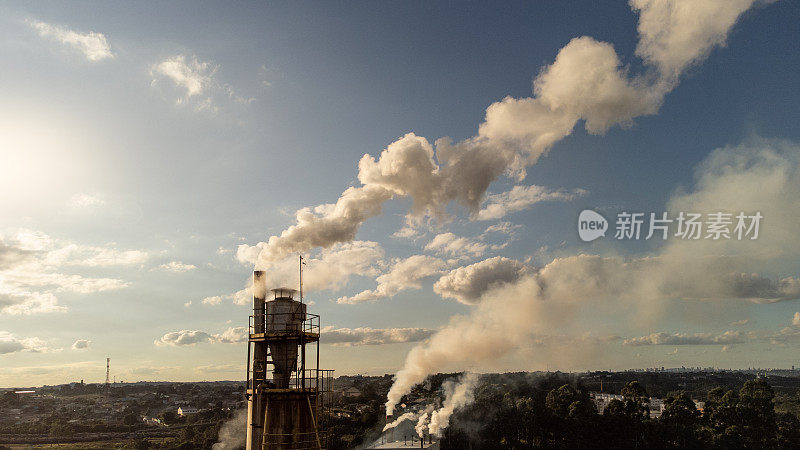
680 420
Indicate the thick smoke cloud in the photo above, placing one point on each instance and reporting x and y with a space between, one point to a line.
674 34
322 226
467 284
457 395
329 268
760 174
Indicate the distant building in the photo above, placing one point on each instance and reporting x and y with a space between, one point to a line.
351 392
186 410
655 406
602 399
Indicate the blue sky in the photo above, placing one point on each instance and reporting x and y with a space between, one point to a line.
139 158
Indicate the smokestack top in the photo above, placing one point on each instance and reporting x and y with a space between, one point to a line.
284 292
259 285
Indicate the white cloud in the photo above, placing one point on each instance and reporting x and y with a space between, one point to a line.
232 335
177 267
197 80
507 228
740 323
31 265
404 274
796 319
519 198
726 338
190 74
18 302
81 344
94 46
372 336
449 243
182 338
330 268
213 300
84 200
12 344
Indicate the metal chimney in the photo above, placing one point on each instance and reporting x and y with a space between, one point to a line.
286 392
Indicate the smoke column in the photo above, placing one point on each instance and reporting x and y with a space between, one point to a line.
587 82
422 424
457 395
232 434
396 422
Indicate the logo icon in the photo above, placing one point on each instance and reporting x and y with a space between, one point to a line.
591 225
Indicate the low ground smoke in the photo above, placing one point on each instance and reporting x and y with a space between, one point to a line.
233 433
396 422
457 395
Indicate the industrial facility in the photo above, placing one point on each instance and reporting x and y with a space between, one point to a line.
286 391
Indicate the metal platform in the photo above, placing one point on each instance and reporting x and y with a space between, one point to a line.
275 336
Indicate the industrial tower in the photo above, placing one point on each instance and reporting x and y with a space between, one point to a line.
286 393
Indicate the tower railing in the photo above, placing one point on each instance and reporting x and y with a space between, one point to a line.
308 325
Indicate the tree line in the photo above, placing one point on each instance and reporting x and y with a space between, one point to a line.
519 416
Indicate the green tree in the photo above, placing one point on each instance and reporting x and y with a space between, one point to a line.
558 400
680 417
757 413
635 399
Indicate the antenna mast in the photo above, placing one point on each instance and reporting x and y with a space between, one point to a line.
108 371
301 278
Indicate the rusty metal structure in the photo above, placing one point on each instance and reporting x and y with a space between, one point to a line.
287 394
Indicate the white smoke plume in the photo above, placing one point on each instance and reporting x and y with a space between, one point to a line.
759 175
457 395
233 433
403 417
422 423
586 81
467 284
